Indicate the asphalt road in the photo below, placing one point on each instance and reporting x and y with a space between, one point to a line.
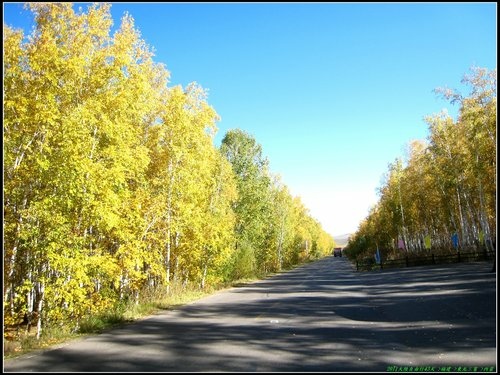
323 316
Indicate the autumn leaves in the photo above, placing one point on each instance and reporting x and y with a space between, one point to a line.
112 183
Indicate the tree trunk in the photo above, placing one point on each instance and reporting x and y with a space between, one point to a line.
41 292
169 223
204 275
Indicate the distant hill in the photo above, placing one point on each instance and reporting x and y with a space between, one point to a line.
341 240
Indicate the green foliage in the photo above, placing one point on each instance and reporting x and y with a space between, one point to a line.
273 229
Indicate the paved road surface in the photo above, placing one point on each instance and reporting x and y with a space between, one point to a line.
323 316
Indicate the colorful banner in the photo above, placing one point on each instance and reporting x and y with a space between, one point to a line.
454 240
377 256
427 242
481 237
401 244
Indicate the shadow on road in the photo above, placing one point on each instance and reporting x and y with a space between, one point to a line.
320 317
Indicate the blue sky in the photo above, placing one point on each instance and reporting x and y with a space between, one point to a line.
332 91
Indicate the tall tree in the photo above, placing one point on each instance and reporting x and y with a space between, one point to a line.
252 207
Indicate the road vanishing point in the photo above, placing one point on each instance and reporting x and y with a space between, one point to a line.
320 317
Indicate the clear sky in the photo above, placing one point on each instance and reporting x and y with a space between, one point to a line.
332 91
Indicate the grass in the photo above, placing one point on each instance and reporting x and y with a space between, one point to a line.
18 341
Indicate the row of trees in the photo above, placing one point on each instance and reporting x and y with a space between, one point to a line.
445 191
112 183
273 229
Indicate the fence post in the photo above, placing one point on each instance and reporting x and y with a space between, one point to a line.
458 256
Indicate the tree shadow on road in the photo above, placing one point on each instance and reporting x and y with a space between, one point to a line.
322 317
